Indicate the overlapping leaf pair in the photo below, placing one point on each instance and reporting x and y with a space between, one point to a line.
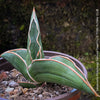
35 68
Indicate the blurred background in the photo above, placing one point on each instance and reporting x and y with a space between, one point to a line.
67 26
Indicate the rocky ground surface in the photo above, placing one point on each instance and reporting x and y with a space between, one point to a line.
10 89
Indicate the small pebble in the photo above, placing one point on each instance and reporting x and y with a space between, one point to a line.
40 96
15 91
35 91
8 89
13 84
7 72
33 98
1 90
46 94
4 83
57 92
7 95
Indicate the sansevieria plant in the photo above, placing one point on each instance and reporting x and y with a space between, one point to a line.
36 69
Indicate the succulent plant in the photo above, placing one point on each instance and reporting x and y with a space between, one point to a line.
36 69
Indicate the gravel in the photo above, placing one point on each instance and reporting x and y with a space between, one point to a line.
10 89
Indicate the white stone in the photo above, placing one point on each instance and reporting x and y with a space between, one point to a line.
57 92
8 89
40 95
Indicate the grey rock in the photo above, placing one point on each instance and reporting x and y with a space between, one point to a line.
5 83
13 84
1 90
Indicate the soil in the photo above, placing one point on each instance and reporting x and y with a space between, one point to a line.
10 89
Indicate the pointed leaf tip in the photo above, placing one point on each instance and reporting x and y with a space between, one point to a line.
34 13
33 10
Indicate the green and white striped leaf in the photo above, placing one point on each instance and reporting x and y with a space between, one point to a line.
17 57
70 63
54 71
27 84
34 44
57 69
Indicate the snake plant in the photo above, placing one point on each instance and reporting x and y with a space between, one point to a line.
37 69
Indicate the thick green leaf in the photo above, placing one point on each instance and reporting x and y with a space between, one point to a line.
34 45
70 63
54 71
27 85
17 57
57 69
